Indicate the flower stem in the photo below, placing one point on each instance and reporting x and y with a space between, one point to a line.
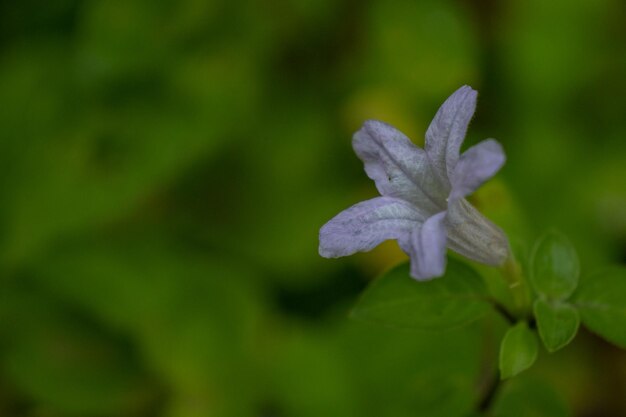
518 285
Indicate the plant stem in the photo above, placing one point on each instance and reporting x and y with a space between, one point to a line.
506 314
490 394
512 273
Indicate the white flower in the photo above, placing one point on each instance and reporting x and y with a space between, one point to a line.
422 203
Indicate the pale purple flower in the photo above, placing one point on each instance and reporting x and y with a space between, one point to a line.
422 203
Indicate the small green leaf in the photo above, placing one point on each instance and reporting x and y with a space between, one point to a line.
601 300
554 266
397 300
518 350
557 323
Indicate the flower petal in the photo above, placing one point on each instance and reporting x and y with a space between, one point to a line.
399 168
476 165
363 226
428 255
447 130
472 235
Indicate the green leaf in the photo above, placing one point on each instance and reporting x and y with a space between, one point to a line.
397 300
523 397
601 301
518 350
434 373
557 323
554 266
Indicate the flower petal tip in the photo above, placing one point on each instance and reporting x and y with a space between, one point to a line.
322 250
428 255
465 90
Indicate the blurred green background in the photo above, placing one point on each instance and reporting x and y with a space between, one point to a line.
165 167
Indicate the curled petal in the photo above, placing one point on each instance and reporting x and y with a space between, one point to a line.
472 235
476 165
447 130
399 168
363 226
428 254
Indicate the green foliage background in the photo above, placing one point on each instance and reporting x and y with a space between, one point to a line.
165 167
